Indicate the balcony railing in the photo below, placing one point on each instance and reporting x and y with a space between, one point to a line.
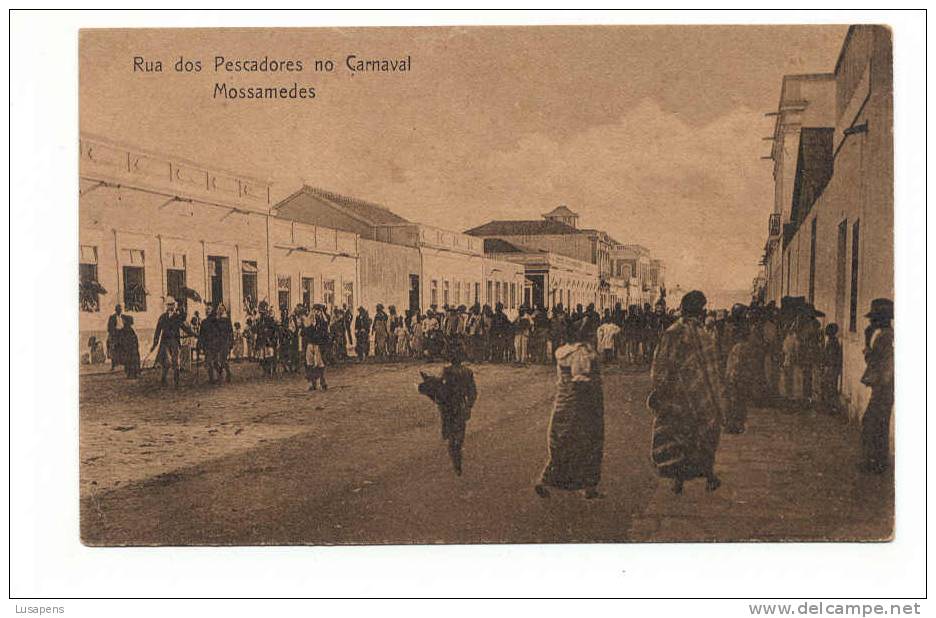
773 225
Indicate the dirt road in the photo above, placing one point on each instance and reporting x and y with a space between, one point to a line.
265 462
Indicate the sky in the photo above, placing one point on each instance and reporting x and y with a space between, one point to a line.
652 133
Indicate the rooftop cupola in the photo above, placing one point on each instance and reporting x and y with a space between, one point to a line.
562 214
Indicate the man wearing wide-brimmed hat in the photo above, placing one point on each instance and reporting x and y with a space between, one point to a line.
168 337
879 375
809 332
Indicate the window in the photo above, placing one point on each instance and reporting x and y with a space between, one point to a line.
488 296
308 291
134 283
513 295
175 279
445 292
328 292
175 286
841 257
88 254
434 293
349 294
249 285
89 289
497 291
134 288
853 306
283 292
458 292
133 257
477 293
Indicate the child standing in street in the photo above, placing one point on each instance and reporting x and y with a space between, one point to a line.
455 394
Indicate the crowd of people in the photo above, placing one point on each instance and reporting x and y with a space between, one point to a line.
707 367
280 343
784 355
484 333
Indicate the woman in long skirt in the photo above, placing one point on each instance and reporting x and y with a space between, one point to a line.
576 429
128 347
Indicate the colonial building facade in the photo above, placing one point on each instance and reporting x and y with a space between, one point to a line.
152 226
406 264
551 278
644 277
830 238
556 244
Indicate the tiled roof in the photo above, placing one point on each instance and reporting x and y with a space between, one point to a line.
372 213
522 228
496 245
561 211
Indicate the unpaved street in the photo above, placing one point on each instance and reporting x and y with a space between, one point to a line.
265 462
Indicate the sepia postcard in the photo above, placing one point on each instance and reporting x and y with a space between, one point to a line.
486 285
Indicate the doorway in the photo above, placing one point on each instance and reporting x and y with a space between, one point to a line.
308 291
175 287
537 289
217 280
414 293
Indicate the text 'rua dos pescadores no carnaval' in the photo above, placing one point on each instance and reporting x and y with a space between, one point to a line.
233 67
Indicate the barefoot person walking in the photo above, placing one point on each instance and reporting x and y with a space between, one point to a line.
686 398
576 429
454 393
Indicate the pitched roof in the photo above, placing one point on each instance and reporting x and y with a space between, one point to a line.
369 212
561 211
536 227
496 245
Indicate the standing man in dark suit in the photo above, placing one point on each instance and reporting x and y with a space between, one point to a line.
169 338
114 324
215 338
879 375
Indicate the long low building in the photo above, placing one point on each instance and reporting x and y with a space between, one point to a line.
406 264
153 226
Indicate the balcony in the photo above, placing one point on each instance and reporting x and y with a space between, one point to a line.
773 225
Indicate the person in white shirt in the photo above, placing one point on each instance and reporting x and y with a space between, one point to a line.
607 334
576 426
